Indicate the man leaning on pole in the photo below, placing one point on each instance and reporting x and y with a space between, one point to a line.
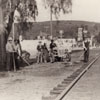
9 53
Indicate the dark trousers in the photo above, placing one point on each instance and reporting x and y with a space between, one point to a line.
52 56
86 55
10 60
16 60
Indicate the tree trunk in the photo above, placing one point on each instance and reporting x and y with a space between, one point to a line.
2 43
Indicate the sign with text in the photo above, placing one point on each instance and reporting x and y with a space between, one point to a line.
80 34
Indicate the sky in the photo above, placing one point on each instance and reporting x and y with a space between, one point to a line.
85 10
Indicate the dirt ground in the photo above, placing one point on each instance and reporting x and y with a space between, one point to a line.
88 87
35 81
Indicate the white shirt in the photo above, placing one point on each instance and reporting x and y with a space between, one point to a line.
17 49
9 47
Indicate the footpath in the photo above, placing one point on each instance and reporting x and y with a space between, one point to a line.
88 87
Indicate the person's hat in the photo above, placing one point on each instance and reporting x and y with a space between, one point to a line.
10 39
40 42
52 40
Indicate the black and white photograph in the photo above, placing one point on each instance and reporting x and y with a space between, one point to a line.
49 50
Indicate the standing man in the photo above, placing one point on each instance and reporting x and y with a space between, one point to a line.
17 53
10 53
52 46
45 53
39 54
86 50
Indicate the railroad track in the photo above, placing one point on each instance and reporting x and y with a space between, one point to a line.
59 92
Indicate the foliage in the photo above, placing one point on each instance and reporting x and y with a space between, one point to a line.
26 8
57 6
97 38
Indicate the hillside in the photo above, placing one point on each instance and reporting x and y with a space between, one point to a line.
31 30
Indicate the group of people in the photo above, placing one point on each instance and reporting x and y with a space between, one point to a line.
13 53
44 54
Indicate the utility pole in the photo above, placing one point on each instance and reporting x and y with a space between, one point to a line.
51 21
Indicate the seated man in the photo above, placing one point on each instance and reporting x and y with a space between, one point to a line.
67 55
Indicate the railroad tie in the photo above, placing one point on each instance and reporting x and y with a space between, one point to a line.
62 85
55 92
59 88
66 82
48 98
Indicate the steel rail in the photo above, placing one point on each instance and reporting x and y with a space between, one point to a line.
67 89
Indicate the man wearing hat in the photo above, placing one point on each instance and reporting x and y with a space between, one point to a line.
40 50
52 47
9 53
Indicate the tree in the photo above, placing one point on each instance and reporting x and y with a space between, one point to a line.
27 9
2 40
57 6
